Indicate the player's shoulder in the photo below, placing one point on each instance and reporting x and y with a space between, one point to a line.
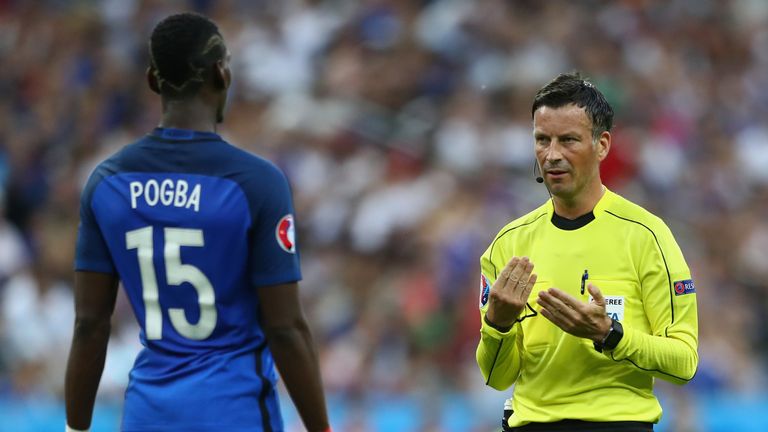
116 162
527 220
262 182
249 170
119 160
107 167
254 163
623 209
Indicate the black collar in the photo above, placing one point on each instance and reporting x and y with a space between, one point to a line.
572 224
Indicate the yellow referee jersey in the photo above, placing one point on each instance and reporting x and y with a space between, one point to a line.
632 257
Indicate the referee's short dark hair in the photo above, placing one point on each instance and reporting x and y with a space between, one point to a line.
182 49
572 88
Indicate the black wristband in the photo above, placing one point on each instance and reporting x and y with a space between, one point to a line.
492 325
613 337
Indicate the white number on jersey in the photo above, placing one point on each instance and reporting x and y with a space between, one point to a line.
176 274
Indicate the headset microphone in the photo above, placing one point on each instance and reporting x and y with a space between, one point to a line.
539 179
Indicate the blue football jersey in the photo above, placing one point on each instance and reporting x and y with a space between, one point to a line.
193 226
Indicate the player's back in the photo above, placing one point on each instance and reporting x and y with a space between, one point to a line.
192 226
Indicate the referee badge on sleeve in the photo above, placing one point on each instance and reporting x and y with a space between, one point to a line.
684 287
485 289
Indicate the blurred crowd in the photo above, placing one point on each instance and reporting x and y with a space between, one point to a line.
404 127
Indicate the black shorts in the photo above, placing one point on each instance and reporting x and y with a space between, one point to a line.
577 426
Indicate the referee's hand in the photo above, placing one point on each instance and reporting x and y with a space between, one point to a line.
510 292
581 319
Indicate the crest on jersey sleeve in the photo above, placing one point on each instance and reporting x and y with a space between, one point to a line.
684 287
485 290
286 234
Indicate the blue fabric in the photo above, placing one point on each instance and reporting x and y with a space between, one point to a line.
237 203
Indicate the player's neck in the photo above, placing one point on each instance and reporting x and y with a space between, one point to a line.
581 204
191 114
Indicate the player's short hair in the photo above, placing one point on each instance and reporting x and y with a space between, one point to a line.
572 88
182 49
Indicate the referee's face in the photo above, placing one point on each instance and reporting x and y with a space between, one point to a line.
567 155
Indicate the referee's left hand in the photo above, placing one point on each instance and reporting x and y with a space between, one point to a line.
586 320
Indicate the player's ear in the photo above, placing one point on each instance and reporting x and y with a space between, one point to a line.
152 80
222 75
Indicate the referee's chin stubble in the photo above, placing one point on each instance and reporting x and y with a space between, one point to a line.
560 185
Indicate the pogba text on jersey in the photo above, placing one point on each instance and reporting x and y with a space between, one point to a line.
167 192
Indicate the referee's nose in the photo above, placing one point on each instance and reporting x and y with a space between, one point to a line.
553 156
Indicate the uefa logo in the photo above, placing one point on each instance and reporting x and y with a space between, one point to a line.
679 288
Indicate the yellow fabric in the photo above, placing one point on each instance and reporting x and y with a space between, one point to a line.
630 255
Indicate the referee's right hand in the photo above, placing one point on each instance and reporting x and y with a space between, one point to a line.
510 292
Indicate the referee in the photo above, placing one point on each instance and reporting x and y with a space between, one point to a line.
610 304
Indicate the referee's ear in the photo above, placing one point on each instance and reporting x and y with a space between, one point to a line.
603 145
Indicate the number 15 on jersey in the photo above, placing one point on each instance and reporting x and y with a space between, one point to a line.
176 274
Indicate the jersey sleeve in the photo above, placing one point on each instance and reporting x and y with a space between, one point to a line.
91 252
499 353
274 256
669 300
